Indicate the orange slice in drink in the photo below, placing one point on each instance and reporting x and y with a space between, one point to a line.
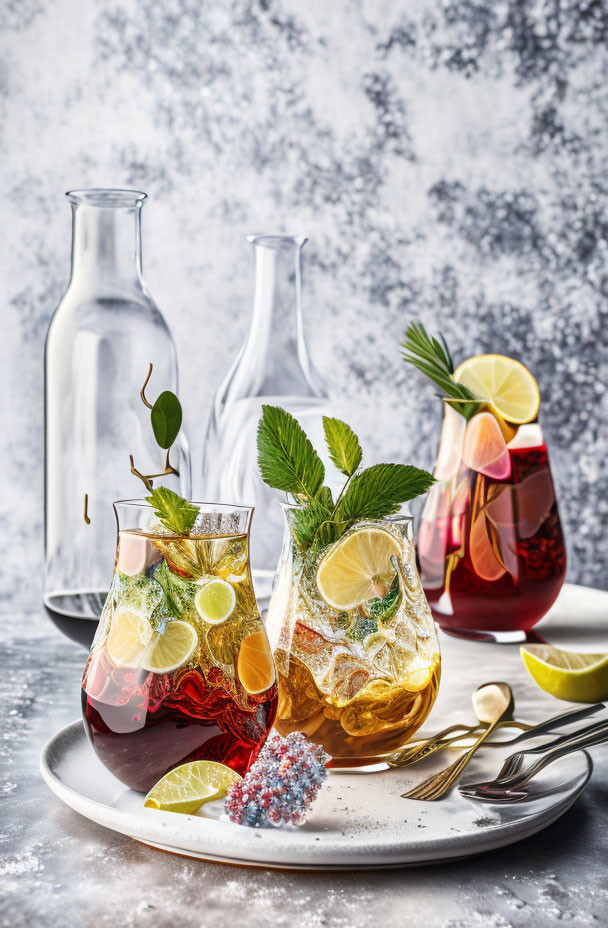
486 564
485 449
255 665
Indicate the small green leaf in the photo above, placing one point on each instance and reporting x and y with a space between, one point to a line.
286 457
176 513
380 490
166 418
343 444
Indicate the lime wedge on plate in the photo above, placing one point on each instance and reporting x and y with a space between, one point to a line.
567 674
172 648
215 601
186 788
358 568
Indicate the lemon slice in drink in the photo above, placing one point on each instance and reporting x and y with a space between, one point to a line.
357 568
186 788
171 649
567 674
130 634
215 601
504 384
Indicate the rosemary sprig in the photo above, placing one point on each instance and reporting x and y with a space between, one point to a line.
431 356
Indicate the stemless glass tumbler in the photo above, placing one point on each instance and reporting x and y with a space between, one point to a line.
490 542
102 338
359 681
180 669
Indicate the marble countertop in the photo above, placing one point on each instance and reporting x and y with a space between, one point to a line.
57 868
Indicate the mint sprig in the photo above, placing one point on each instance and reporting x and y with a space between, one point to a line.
343 445
288 462
286 457
176 513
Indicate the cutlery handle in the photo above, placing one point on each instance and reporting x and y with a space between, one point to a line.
566 718
567 738
575 744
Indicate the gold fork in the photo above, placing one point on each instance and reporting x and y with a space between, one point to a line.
418 750
492 701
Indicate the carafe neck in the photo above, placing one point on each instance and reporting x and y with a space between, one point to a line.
275 346
106 240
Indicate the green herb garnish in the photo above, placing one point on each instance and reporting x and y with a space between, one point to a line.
175 512
288 462
432 357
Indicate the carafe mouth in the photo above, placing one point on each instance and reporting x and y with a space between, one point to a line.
107 197
277 241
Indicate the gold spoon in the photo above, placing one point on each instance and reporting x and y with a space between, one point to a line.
491 703
418 750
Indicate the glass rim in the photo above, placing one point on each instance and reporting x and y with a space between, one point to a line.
107 197
395 517
216 507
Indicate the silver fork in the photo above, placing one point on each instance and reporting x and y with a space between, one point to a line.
514 788
513 764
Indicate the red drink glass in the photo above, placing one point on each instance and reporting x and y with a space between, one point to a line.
490 542
180 669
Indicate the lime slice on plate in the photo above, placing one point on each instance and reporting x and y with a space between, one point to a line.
504 384
172 648
358 568
186 788
567 674
215 601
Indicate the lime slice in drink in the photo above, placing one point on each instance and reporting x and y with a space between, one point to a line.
358 568
567 674
171 649
130 634
507 386
215 601
186 788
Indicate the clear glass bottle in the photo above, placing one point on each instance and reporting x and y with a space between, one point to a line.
274 368
101 339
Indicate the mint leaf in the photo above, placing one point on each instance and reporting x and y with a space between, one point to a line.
176 513
343 444
286 457
380 490
179 593
166 419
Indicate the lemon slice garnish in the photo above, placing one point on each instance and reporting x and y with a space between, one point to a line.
186 788
504 384
357 568
567 674
130 634
171 649
215 601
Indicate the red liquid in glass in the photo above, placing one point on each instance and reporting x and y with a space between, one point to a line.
493 556
146 724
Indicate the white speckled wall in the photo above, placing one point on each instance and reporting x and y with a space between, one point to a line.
446 159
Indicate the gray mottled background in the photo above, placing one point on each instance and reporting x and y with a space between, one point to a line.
446 159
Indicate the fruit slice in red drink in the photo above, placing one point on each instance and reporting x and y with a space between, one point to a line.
483 556
485 449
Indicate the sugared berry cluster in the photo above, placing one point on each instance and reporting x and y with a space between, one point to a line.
281 785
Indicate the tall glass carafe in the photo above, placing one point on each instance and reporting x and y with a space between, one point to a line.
102 338
273 367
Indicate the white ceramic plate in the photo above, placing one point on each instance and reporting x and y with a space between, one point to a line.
359 820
